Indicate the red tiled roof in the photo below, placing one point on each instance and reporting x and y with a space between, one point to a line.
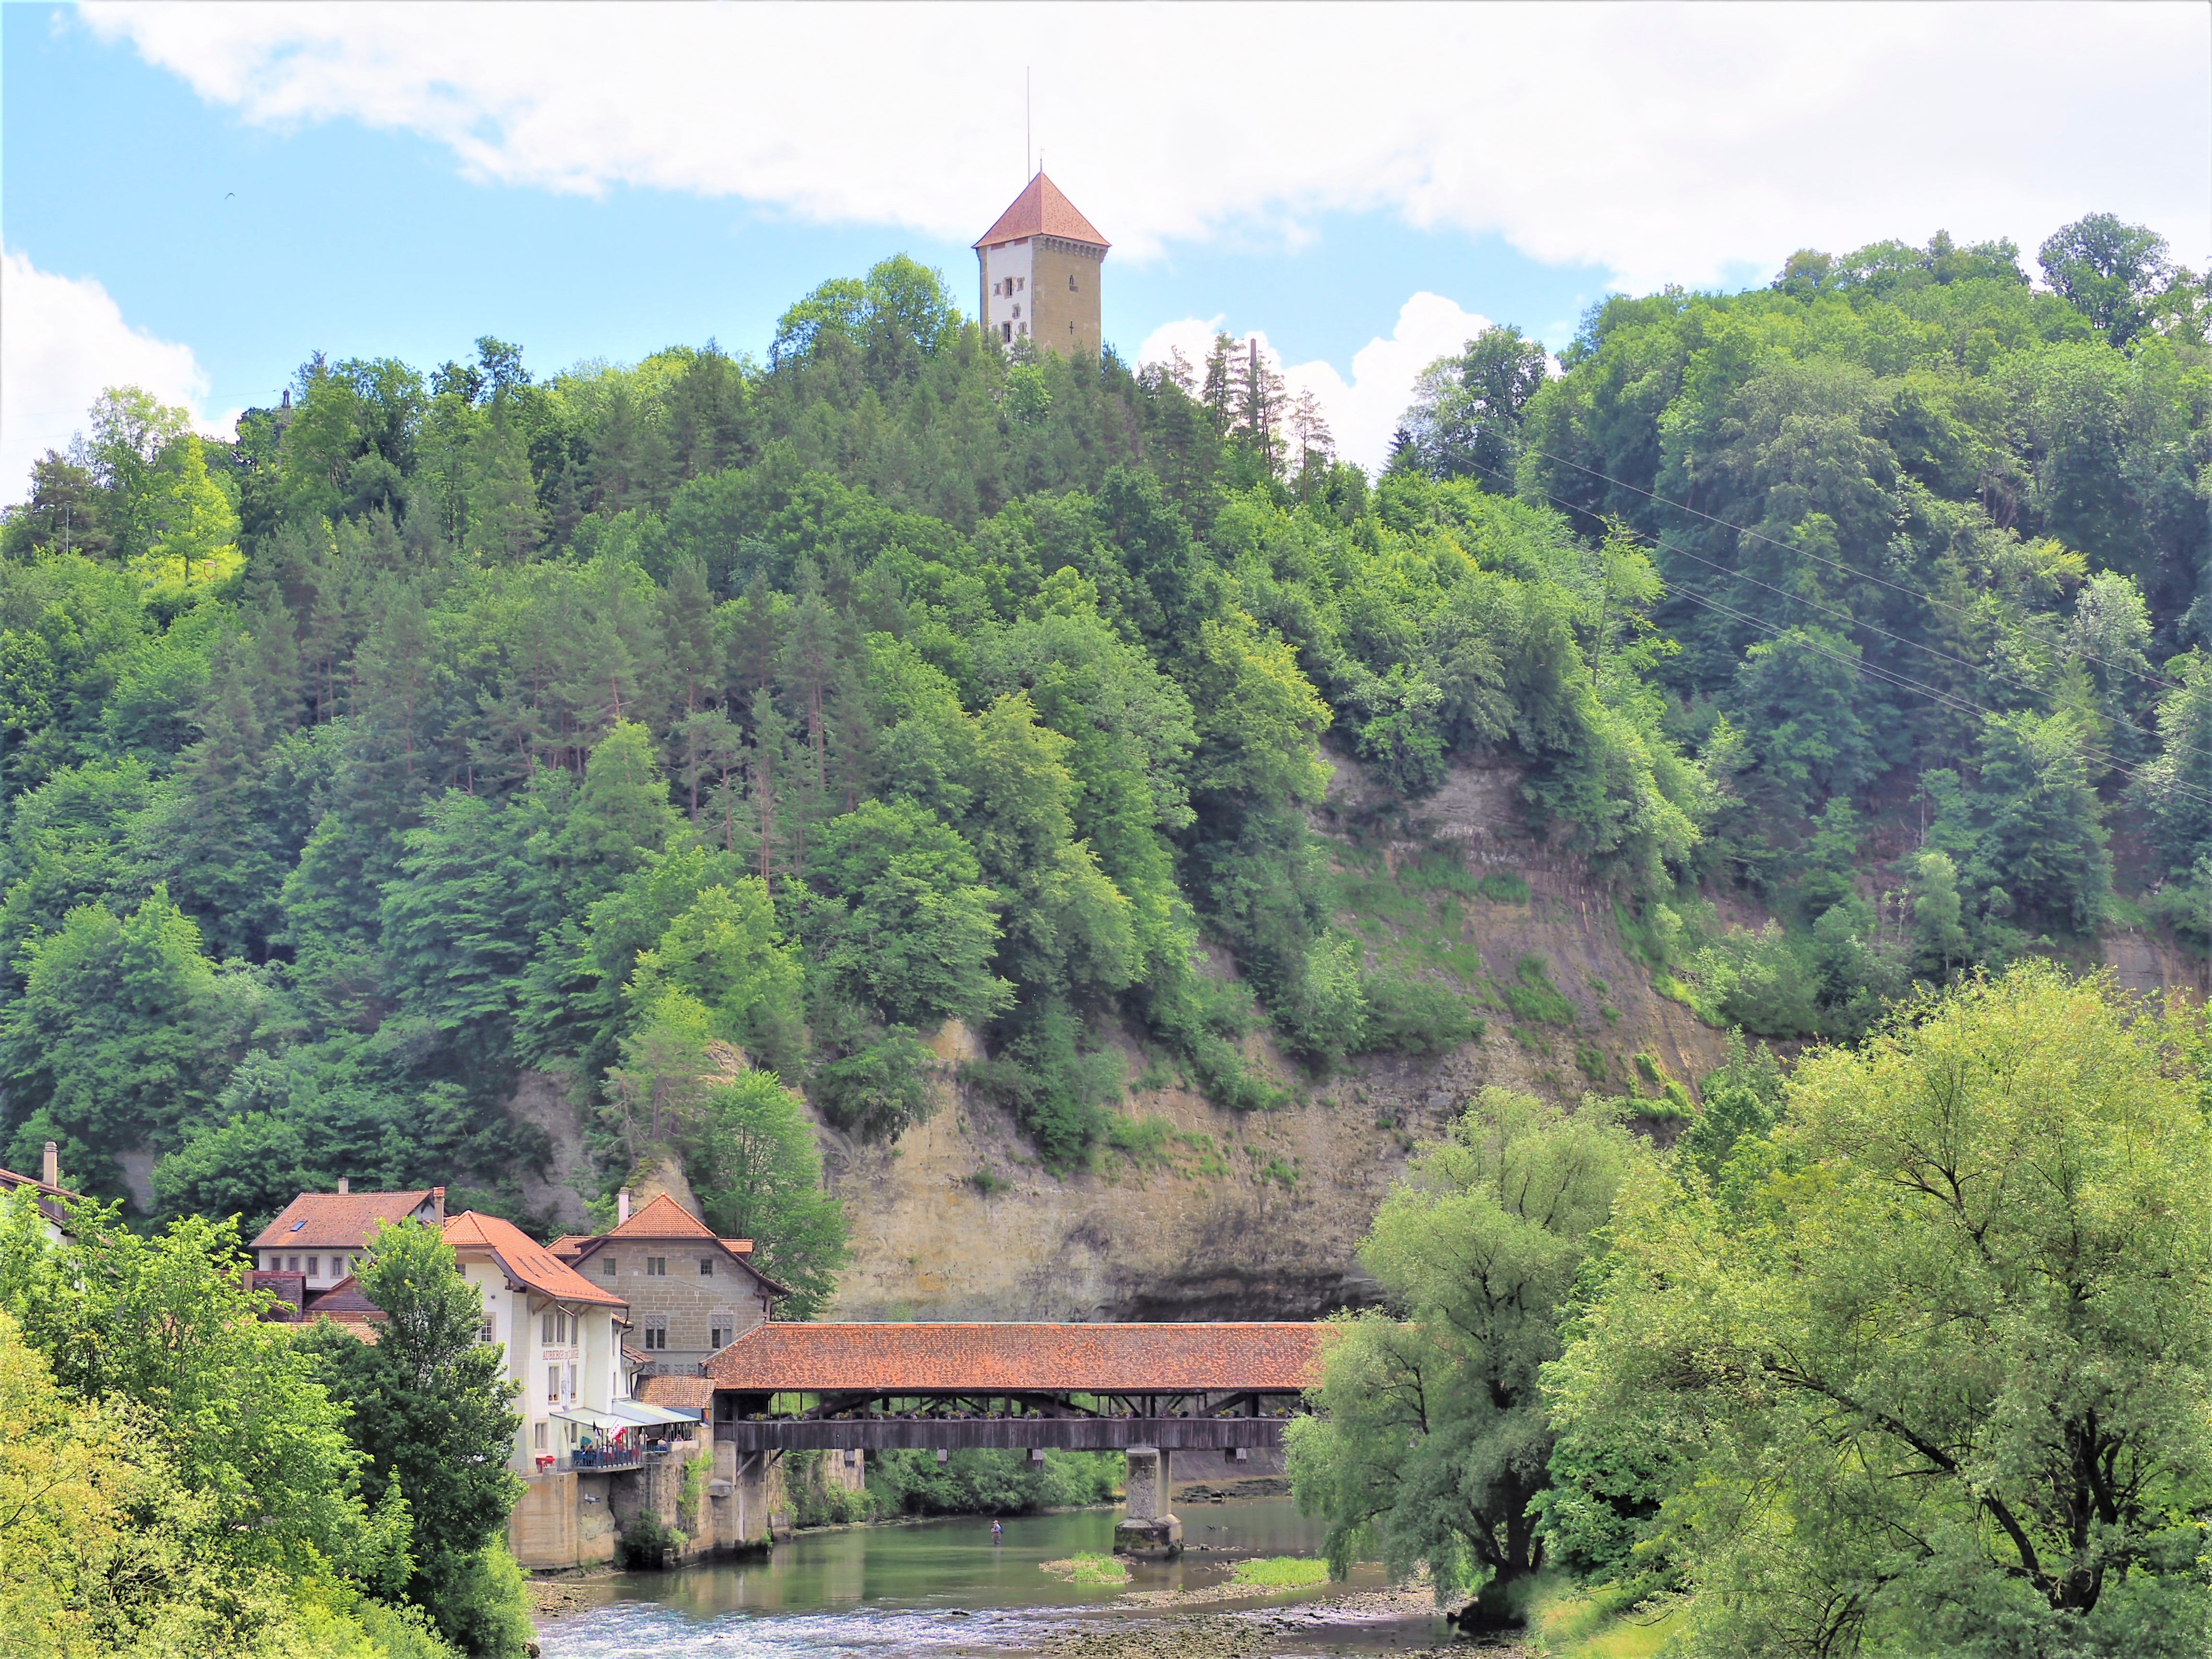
345 1302
933 1358
692 1393
524 1259
344 1219
663 1218
1041 210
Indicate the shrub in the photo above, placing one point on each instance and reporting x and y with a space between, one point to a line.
1086 1567
1057 1090
1760 981
647 1542
1414 1016
878 1090
1504 888
817 1503
1533 997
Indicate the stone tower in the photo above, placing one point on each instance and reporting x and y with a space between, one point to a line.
1037 272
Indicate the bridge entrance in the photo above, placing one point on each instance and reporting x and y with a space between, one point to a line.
1147 1391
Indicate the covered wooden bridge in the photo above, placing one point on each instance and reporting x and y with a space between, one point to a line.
1146 1390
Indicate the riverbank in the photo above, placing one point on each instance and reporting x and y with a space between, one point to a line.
1181 1624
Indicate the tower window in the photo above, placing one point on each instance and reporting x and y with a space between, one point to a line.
1071 282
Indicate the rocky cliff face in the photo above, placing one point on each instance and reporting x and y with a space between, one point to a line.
1222 1215
1209 1214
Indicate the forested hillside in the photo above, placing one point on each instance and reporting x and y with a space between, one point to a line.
445 726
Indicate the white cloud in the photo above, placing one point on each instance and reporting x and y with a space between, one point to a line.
1664 142
1362 412
63 341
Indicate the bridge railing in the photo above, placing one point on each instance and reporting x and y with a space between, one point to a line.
1006 1433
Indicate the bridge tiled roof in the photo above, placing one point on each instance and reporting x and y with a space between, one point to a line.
1012 1358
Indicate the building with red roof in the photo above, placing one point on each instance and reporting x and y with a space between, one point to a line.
1038 273
691 1293
323 1235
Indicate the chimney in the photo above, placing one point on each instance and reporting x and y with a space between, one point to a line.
622 1201
438 1202
345 1185
53 1176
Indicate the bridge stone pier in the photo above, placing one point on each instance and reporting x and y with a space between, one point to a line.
1147 1391
1145 1527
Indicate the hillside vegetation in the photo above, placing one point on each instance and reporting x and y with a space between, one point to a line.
443 726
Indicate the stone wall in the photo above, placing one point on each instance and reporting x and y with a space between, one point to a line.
564 1521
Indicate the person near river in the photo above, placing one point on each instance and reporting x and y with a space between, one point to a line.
998 1532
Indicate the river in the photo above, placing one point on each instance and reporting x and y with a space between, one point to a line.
942 1588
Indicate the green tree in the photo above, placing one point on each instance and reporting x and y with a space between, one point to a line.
2110 271
1432 1440
131 429
914 929
2045 842
1938 938
164 1326
758 1173
1930 1362
105 1046
432 1414
726 953
1465 419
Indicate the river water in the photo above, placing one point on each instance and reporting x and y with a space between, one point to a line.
942 1588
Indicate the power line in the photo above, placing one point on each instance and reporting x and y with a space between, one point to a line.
1902 683
1917 645
1799 552
1661 542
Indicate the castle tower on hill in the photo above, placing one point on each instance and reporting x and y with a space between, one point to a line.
1038 270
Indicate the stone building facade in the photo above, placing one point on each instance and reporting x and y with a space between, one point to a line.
691 1294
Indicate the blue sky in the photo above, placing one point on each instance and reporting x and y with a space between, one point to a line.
417 177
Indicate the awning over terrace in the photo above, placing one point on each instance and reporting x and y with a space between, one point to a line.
637 1413
593 1419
